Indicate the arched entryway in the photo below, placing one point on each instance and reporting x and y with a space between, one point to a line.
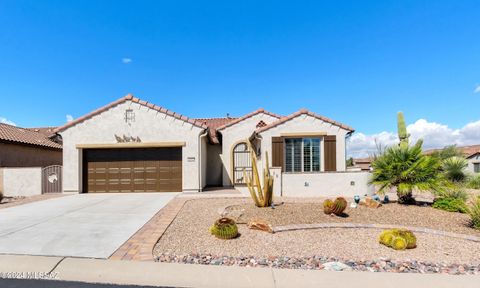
241 162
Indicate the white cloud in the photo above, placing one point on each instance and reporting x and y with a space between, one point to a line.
69 118
477 89
434 135
126 60
6 121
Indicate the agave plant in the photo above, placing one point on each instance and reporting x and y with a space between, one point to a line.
454 169
406 169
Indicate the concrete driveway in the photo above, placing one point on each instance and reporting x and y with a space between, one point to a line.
81 225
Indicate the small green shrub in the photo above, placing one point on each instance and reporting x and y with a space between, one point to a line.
454 192
474 213
398 239
224 228
474 182
450 205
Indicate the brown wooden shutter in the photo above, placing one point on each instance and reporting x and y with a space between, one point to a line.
277 152
330 154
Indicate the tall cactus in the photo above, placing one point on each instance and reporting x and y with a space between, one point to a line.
402 130
262 196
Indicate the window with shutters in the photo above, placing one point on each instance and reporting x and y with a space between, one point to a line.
476 167
302 154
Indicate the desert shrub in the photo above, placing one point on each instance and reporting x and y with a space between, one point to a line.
474 213
451 205
454 192
224 228
454 169
474 182
398 239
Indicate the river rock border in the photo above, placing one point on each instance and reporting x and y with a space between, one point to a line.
317 262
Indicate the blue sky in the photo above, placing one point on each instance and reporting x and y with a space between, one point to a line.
358 62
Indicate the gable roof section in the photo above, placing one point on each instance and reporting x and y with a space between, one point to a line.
213 124
130 97
304 112
238 120
26 136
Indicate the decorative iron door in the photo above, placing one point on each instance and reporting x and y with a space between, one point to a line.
241 163
52 179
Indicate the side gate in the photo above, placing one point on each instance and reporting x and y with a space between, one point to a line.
52 179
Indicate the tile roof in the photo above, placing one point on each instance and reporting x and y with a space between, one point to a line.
47 131
27 136
130 97
468 151
238 120
304 112
213 124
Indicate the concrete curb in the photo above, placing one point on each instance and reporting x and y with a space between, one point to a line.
191 275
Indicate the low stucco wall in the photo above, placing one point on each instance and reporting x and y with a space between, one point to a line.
326 184
22 181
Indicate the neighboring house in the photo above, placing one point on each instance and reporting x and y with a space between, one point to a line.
363 164
131 145
28 147
471 153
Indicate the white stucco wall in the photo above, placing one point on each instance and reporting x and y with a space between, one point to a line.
150 125
22 181
237 133
326 184
307 124
471 161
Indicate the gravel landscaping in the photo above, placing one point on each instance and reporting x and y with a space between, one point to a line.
309 213
187 239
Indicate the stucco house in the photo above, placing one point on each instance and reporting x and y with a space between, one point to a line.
28 147
131 145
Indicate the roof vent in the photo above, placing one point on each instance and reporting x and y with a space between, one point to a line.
261 124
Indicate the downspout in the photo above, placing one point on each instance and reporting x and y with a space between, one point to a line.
202 135
349 134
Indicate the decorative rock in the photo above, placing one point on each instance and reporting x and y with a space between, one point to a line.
260 225
336 266
322 262
370 203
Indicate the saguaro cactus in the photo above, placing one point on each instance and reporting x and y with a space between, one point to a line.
402 130
262 196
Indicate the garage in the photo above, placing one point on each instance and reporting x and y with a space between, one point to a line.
132 170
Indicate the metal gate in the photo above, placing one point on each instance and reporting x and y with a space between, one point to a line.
241 163
52 179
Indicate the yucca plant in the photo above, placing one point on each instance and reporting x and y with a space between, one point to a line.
474 182
406 169
262 196
474 212
454 169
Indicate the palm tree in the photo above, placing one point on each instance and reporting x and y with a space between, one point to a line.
406 168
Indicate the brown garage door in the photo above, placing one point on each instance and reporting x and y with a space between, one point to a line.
132 170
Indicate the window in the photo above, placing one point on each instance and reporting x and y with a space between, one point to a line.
476 167
302 155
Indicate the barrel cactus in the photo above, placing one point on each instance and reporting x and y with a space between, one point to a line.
335 207
224 228
398 239
327 206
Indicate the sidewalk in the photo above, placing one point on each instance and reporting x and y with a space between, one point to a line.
188 275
